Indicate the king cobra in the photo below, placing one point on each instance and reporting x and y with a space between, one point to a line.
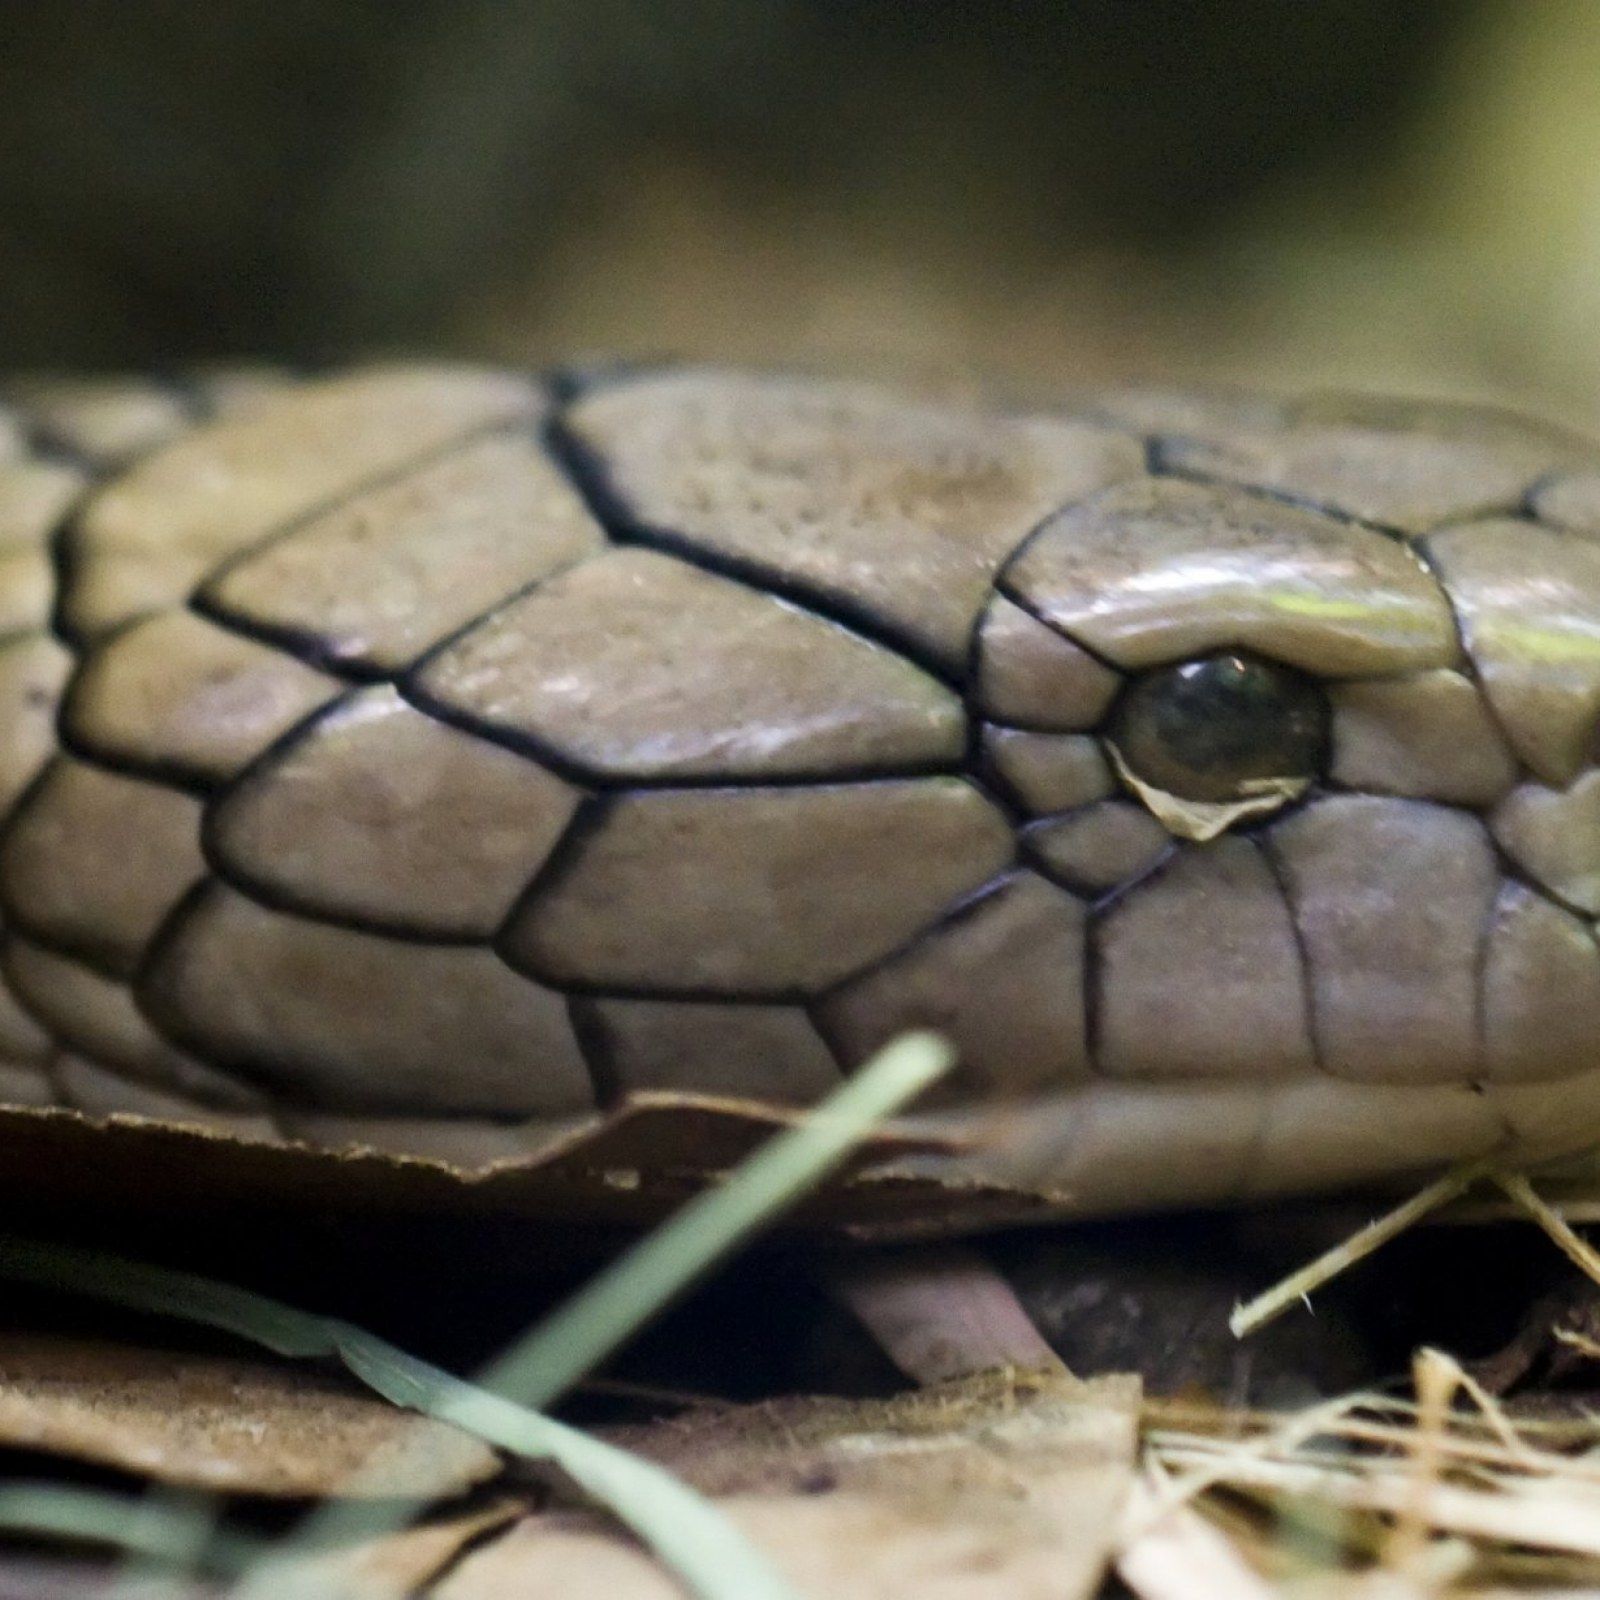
423 757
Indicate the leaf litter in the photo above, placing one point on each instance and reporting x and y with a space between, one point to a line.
1449 1491
1013 1486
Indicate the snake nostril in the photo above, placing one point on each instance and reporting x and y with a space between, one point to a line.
1216 728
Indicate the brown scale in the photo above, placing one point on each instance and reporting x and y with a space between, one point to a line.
405 759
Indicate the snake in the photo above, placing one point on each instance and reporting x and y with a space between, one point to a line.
427 758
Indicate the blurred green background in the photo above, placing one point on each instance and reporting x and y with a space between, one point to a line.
1387 192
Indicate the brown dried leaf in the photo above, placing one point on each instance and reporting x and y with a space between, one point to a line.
217 1423
973 1489
630 1167
398 1564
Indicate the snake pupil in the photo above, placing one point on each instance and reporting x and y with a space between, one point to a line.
1205 729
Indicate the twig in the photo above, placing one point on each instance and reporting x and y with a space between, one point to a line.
1275 1301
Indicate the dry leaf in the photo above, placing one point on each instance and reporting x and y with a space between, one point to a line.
963 1492
217 1423
627 1167
399 1564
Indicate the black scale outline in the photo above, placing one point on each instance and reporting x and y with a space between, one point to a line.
259 1071
1520 507
810 603
1416 545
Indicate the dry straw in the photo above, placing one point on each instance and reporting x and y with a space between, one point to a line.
1446 1493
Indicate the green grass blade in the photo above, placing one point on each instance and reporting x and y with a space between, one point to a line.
685 1531
713 1558
596 1320
161 1532
166 1291
689 1535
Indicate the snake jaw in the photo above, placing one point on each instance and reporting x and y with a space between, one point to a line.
1203 820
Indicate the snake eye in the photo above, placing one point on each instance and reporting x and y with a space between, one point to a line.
1219 728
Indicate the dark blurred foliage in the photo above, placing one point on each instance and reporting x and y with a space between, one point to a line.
301 177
